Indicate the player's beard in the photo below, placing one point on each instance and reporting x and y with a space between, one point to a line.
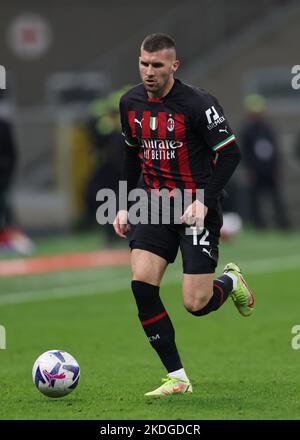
155 88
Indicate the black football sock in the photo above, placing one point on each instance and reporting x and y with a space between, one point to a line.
222 288
156 324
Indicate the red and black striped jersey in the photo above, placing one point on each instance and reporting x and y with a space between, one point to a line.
177 136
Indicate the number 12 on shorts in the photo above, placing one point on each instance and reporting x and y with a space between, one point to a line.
203 238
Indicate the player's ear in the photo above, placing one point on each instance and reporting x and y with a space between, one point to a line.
175 65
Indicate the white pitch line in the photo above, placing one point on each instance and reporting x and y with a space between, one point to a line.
70 278
271 264
93 288
102 287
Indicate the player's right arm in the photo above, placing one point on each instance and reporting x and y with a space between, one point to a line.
121 224
131 169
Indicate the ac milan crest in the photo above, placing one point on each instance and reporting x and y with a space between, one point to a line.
170 124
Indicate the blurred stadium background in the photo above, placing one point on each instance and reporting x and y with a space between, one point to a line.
55 72
66 65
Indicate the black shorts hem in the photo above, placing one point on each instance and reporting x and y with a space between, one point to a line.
134 244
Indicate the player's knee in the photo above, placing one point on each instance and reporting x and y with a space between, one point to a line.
195 304
139 276
144 277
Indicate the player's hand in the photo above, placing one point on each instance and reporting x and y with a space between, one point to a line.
194 214
121 225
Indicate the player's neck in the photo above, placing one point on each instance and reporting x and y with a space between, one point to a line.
163 92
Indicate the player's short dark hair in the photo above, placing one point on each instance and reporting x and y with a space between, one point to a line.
155 42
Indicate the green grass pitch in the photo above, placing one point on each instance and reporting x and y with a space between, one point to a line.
241 368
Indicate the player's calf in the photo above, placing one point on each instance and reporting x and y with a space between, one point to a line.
209 302
198 302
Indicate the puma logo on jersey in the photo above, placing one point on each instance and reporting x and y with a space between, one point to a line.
139 122
205 251
223 130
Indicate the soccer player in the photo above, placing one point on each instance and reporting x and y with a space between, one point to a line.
177 138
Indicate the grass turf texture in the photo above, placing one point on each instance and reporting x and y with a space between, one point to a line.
241 368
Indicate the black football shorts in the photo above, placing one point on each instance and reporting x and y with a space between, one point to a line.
199 251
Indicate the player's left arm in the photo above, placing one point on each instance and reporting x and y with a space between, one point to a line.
215 131
214 128
226 163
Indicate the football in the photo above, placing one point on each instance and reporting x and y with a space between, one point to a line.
55 373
